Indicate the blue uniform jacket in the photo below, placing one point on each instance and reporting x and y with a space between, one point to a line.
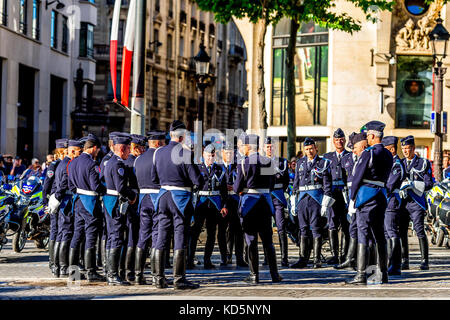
48 188
419 170
215 180
396 177
143 168
338 172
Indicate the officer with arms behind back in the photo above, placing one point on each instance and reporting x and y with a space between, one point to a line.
254 182
313 182
174 171
368 196
418 180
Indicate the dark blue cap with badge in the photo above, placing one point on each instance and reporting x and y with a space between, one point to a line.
210 148
122 139
113 134
339 133
359 137
156 135
176 125
138 139
92 138
373 125
62 143
308 142
350 140
389 140
409 140
76 143
268 140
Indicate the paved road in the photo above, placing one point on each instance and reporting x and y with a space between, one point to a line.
26 275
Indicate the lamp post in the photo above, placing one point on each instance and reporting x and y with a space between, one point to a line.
202 76
439 38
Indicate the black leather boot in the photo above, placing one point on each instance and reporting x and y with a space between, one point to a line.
179 272
159 266
64 258
191 252
343 249
209 247
140 266
282 236
51 254
389 251
56 266
265 263
245 252
74 258
382 261
360 278
81 262
334 247
129 264
113 268
103 254
253 262
272 259
106 265
167 257
405 252
123 253
395 258
304 253
317 252
350 259
90 258
372 258
239 250
423 243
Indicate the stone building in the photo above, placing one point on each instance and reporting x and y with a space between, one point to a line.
169 56
340 77
43 44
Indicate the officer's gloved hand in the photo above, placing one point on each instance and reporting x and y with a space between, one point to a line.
53 204
351 211
327 202
324 211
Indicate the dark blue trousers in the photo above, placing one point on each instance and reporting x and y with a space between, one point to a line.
171 219
115 226
280 221
86 224
370 220
258 221
337 216
392 219
54 225
148 226
353 228
415 212
132 226
65 223
308 213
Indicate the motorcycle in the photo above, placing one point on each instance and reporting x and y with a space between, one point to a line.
7 199
34 221
438 200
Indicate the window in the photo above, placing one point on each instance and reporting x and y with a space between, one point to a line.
23 17
65 35
311 75
169 46
181 46
157 5
169 94
170 9
156 39
36 19
414 91
4 12
86 40
155 91
192 48
54 30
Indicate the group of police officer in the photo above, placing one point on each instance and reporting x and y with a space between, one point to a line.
142 198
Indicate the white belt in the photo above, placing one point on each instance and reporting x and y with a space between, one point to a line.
278 186
209 193
176 188
256 190
231 192
311 187
338 183
87 192
349 184
377 183
112 192
144 191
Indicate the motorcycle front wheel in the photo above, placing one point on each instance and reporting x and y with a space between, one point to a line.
19 240
41 243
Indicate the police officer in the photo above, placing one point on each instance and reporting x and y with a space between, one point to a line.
358 143
127 266
210 207
235 236
84 181
62 198
278 198
337 217
418 181
148 192
47 191
368 196
116 201
254 182
313 182
174 171
393 211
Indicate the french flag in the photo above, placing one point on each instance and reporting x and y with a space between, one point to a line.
113 46
128 52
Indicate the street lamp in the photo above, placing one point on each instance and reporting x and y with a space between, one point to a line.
59 4
439 38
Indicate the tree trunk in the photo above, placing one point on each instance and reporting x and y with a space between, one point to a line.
290 90
262 28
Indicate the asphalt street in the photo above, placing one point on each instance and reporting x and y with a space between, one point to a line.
26 275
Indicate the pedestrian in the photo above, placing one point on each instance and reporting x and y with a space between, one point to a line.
337 218
18 168
418 180
35 170
368 194
174 171
313 182
254 182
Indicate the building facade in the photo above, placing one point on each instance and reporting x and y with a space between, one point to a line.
175 30
42 47
340 77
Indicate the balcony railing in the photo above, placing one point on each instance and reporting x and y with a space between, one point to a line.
23 27
236 51
170 63
101 51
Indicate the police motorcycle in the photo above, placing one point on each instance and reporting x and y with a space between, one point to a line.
7 200
30 215
438 201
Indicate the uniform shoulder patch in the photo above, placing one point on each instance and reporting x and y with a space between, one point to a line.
50 173
121 171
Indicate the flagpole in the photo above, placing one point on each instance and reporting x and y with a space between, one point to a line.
138 100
